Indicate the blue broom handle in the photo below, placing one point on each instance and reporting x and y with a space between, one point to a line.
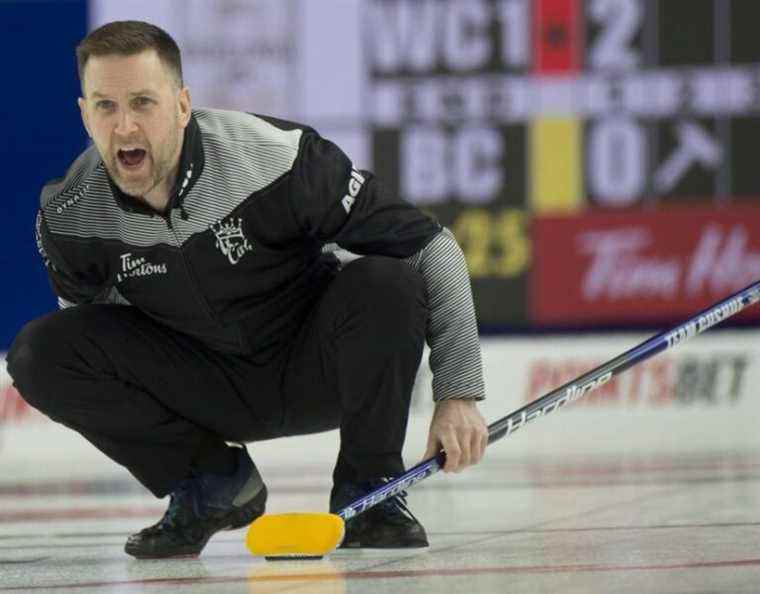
569 392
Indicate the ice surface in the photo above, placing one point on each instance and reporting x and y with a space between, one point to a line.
607 523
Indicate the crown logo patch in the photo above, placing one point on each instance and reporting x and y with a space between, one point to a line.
230 239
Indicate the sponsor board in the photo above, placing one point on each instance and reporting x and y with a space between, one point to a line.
668 380
714 371
698 396
627 268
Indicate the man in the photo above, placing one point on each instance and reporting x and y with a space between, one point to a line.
207 311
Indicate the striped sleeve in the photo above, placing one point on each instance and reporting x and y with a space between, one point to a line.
70 286
455 357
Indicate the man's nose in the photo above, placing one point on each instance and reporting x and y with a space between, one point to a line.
125 124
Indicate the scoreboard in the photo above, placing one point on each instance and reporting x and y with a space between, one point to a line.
497 114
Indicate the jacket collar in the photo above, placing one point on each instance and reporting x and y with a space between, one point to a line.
191 161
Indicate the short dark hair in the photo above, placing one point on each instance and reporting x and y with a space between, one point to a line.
127 38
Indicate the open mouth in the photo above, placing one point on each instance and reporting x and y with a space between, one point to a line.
131 158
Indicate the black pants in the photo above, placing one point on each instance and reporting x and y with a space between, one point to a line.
154 399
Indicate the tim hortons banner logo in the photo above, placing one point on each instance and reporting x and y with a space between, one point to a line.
721 262
654 267
230 239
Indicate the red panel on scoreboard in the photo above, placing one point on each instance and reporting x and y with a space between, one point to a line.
633 267
556 36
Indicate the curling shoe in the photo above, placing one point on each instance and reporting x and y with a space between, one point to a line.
198 508
387 525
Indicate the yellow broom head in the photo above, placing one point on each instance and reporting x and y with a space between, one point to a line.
295 536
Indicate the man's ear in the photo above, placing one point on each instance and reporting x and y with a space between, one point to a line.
185 106
83 111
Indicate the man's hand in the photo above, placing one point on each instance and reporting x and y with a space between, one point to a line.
460 430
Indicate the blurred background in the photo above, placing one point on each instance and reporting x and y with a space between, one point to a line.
597 160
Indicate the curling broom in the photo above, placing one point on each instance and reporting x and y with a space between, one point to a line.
313 535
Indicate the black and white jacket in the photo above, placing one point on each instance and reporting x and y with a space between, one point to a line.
239 256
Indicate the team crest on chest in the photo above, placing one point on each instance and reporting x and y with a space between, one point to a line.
230 239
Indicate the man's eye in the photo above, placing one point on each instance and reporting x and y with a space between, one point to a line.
143 101
106 105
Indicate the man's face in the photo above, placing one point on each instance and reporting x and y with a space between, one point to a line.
136 115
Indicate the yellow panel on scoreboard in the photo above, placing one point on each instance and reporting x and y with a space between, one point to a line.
556 165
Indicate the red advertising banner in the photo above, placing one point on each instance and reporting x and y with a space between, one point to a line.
628 268
556 36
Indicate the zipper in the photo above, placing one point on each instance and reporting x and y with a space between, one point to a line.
191 277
